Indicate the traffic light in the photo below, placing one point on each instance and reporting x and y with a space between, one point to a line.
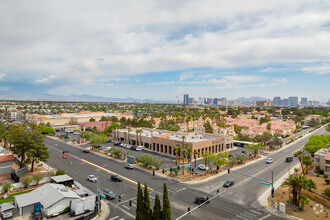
272 192
153 173
228 170
218 191
163 171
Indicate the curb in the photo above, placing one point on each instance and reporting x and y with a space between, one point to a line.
225 172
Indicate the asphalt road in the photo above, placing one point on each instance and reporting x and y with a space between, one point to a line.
247 190
79 165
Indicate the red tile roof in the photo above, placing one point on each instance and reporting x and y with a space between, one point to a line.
327 157
7 157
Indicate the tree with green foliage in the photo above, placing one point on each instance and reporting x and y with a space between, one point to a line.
255 148
208 127
111 128
6 187
37 178
326 192
166 215
317 142
139 204
92 120
177 150
297 183
145 159
47 130
26 181
241 158
157 211
327 128
219 159
147 211
97 139
59 172
264 120
196 154
269 126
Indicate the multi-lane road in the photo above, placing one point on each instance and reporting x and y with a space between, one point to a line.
236 202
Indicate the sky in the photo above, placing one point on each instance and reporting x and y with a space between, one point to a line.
163 49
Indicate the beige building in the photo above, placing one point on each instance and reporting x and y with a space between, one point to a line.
164 141
322 160
71 119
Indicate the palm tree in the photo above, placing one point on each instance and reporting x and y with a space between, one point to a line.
177 150
310 184
184 153
137 131
195 157
189 154
205 157
141 131
300 154
128 131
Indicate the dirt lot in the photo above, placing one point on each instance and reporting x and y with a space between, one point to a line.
313 210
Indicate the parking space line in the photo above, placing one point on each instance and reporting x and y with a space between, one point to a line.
114 218
126 207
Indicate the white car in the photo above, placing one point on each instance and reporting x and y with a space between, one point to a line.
139 148
76 133
202 167
92 178
269 160
122 145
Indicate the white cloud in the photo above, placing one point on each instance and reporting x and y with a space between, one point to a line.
318 70
280 81
2 75
114 40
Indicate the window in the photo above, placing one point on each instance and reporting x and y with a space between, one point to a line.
317 159
327 169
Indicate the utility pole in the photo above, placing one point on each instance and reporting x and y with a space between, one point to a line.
272 188
289 185
190 166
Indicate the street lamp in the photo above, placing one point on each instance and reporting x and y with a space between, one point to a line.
272 190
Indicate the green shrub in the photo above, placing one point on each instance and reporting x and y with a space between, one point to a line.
326 192
6 187
67 209
301 208
26 181
37 178
325 175
317 175
321 172
59 172
327 180
317 169
51 173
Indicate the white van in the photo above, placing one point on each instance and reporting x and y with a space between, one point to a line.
139 148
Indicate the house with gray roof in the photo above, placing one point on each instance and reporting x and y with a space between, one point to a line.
50 198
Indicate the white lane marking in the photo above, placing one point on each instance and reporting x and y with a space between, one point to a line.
265 217
133 205
255 212
152 197
241 217
114 218
126 207
248 214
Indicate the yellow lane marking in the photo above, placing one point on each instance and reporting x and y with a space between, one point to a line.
108 171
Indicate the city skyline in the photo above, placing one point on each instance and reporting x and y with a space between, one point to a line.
213 50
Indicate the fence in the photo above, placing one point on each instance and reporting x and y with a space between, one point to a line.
22 170
316 197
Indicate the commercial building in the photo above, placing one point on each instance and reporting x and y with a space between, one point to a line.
185 99
96 125
165 141
6 164
277 101
293 101
303 101
263 103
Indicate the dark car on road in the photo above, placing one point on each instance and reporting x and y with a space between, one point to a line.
116 178
289 159
228 183
117 143
201 199
109 194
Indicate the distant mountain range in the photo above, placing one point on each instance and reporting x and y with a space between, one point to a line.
243 99
26 96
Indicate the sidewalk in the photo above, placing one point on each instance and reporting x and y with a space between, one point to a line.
105 207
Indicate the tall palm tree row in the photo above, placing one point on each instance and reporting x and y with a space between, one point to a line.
177 150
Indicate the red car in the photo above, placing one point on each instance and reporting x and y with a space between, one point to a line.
86 151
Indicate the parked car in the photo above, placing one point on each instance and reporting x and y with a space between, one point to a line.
117 178
201 199
86 151
269 160
92 178
129 166
76 133
134 147
106 148
128 146
121 145
6 213
109 194
138 148
289 159
228 183
202 167
117 143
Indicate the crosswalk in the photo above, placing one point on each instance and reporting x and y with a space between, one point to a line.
250 215
116 218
